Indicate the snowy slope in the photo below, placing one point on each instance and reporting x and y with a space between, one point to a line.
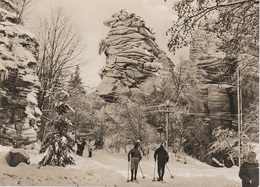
105 169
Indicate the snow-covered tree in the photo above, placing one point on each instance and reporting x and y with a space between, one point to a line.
134 121
58 145
75 82
250 125
182 89
235 22
78 102
60 49
124 122
225 141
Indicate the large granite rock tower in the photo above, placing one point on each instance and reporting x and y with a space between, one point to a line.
19 83
133 59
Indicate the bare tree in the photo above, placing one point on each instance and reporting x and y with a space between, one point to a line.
60 48
22 9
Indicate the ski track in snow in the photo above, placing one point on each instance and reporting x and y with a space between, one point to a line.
116 163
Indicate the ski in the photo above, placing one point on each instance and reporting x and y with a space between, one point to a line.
160 181
133 181
156 180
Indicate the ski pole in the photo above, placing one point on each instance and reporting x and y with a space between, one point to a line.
141 171
169 171
154 171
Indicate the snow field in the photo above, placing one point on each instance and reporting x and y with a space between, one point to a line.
111 169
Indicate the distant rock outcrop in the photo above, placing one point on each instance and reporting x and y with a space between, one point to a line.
19 83
217 97
133 59
220 97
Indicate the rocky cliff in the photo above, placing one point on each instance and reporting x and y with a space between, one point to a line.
219 95
133 59
19 83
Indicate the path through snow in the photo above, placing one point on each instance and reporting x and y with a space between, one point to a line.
105 169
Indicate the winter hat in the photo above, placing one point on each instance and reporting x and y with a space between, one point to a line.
251 157
250 153
163 144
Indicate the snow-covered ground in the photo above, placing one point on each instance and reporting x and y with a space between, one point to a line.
111 169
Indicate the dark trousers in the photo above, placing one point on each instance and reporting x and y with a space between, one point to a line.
80 149
133 174
161 169
90 153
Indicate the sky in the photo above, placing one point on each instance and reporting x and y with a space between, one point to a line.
88 17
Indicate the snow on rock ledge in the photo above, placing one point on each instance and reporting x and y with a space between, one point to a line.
19 83
133 59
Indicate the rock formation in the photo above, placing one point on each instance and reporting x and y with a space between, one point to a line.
19 83
133 59
217 97
220 97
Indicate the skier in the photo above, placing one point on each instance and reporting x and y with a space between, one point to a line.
136 157
80 148
249 171
138 142
161 155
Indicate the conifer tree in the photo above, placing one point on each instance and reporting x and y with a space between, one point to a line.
58 144
82 118
76 82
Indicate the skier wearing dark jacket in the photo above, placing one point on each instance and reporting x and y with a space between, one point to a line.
80 148
162 157
135 156
249 171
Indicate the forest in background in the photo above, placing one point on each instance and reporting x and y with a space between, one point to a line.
58 70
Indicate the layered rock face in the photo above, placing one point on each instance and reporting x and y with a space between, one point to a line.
217 98
220 100
133 59
19 83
